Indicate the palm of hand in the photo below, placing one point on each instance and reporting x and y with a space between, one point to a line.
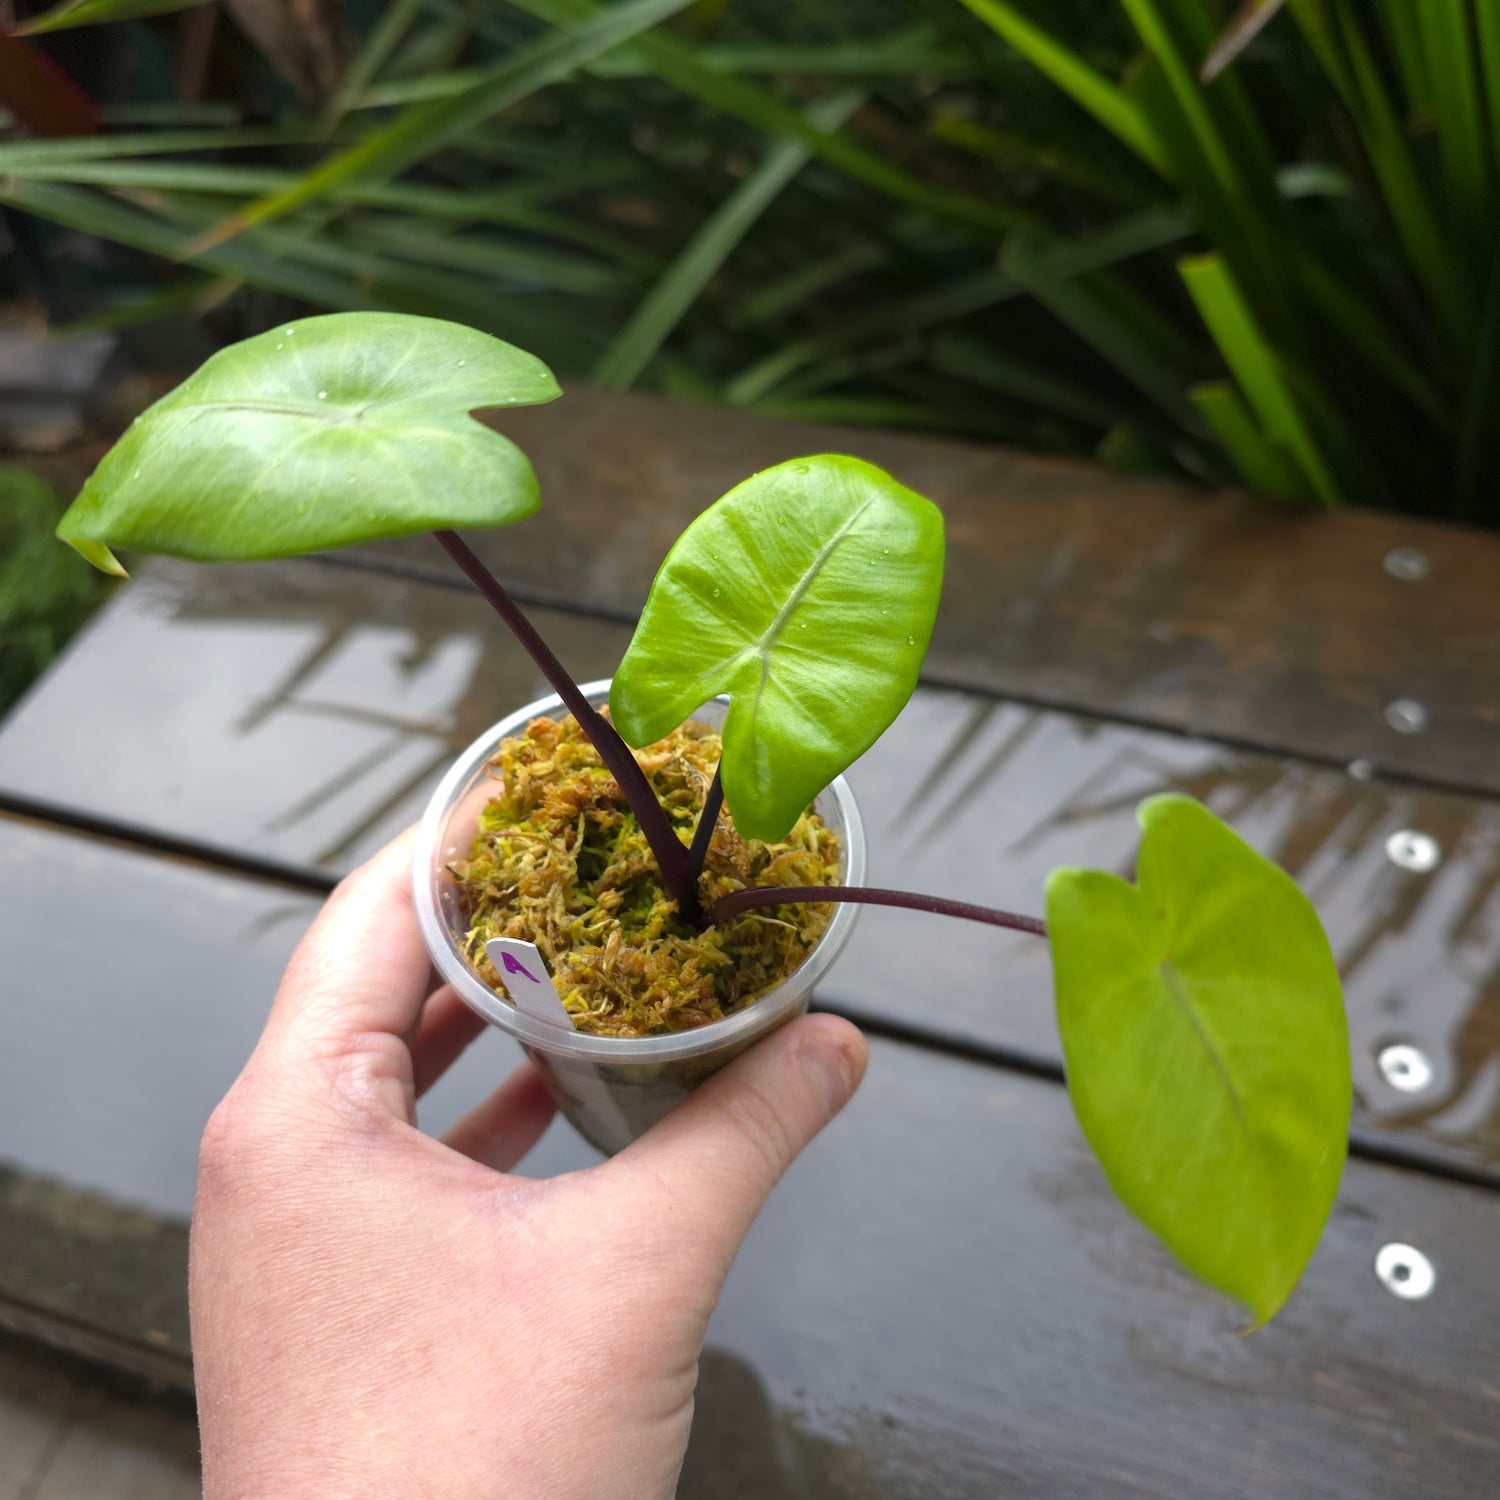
378 1312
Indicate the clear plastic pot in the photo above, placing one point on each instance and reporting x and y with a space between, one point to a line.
611 1088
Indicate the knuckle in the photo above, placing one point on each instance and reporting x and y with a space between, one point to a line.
237 1141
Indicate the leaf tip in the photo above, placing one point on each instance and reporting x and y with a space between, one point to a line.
96 553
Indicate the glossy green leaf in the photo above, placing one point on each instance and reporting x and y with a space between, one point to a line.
1207 1051
807 594
321 433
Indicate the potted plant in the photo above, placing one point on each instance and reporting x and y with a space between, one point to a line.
681 868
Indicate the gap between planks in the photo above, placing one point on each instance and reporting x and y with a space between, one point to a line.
1373 1146
540 599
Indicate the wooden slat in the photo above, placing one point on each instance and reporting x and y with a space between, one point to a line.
942 1297
326 701
136 987
293 711
1131 598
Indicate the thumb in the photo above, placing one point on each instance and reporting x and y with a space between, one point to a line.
722 1151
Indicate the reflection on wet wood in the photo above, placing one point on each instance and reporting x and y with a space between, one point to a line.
1047 1345
1135 599
327 702
138 987
107 1076
975 798
942 1298
295 711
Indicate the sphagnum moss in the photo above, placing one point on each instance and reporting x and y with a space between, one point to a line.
560 861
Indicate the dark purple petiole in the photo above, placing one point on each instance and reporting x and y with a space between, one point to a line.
671 857
770 895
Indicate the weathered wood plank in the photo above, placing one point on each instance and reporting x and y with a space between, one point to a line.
942 1298
1136 599
295 711
327 701
34 1401
137 987
119 1449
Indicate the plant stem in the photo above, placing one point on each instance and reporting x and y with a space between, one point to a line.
703 836
671 857
770 895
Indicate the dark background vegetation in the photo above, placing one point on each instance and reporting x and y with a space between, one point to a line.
1023 223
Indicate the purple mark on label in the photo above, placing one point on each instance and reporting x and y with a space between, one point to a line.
513 965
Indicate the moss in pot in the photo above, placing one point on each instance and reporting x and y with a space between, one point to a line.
1199 1008
611 1087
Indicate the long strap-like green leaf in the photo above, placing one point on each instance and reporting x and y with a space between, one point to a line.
418 132
1109 104
679 286
677 64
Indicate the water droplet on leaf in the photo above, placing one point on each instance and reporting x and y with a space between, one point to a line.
322 395
462 363
716 593
911 640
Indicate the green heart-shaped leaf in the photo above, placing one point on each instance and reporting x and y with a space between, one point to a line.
1207 1050
323 432
808 595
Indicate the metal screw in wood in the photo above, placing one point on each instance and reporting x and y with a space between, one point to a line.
1406 715
1418 852
1405 1272
1405 1067
1406 563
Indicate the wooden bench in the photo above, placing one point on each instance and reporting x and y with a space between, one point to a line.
942 1297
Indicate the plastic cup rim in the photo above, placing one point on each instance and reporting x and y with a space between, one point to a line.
473 991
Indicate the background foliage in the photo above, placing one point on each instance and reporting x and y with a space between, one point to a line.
1013 221
46 591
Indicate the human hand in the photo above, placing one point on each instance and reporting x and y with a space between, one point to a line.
379 1313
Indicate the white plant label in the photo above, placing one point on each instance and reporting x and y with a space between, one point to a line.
527 981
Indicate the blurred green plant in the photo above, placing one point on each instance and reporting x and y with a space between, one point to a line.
46 592
1036 224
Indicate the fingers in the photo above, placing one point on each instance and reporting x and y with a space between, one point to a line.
722 1151
362 968
446 1028
499 1132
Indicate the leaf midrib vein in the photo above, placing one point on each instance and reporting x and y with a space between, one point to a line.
768 640
1172 980
334 415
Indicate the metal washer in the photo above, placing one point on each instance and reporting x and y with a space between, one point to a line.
1405 1272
